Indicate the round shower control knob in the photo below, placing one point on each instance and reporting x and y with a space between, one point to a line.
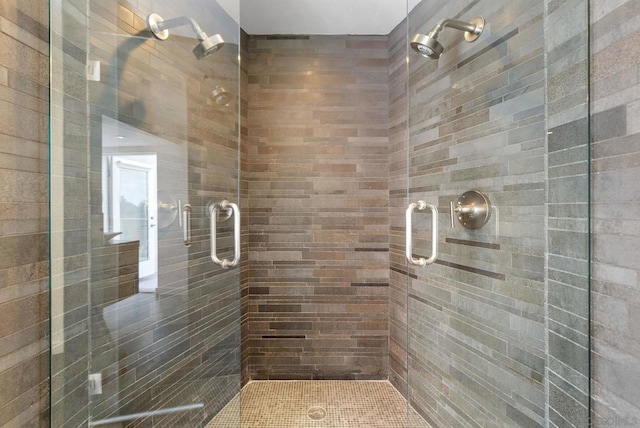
472 209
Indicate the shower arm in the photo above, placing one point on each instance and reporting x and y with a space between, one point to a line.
458 25
179 22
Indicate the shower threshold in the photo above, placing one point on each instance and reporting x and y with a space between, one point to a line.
318 403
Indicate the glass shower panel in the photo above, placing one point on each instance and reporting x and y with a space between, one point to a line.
145 326
498 324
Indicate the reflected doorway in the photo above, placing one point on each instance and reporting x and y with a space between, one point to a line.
132 209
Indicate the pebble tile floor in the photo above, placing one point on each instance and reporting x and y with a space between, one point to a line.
302 404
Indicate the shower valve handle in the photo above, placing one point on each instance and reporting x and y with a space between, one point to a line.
472 210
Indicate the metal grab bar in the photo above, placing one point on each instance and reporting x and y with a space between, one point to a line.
225 205
186 224
421 205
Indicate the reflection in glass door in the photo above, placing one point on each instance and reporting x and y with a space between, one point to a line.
131 212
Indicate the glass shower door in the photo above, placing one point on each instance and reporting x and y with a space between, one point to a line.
145 326
498 324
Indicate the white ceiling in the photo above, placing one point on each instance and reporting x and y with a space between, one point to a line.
319 16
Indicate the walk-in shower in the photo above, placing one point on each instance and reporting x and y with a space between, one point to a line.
428 46
206 46
167 307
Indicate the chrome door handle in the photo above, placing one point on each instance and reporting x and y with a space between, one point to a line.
186 224
235 211
421 205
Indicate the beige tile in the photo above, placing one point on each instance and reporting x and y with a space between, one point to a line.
298 404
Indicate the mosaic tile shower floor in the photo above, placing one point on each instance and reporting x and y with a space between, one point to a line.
314 404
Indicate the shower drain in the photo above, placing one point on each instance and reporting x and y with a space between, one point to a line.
316 413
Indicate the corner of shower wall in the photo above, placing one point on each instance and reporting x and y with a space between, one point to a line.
398 173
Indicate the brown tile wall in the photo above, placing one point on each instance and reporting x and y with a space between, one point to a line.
318 202
24 77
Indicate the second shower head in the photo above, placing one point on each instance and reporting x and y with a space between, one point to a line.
428 46
206 45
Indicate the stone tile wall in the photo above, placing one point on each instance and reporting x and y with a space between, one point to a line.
318 202
615 136
24 253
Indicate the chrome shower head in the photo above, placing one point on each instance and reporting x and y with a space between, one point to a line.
206 46
428 45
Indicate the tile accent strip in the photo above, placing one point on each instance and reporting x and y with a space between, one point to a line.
486 273
488 245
